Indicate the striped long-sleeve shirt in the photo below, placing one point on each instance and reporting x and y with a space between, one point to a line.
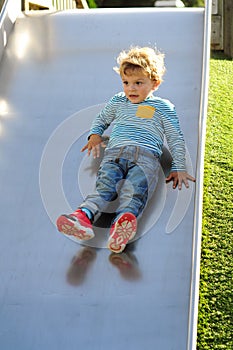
143 124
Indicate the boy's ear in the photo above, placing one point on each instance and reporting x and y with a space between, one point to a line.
156 84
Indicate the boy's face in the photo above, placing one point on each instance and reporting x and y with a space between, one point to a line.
137 85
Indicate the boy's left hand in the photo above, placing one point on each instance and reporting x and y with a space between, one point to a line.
180 177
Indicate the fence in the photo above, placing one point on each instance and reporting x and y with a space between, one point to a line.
57 5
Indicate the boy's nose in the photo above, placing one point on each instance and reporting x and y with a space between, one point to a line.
132 87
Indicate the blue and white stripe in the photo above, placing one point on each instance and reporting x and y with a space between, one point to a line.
129 129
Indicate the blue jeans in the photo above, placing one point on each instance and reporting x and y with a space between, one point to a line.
128 174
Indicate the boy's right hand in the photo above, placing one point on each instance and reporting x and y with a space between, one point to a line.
94 143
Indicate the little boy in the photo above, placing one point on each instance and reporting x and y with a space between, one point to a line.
140 122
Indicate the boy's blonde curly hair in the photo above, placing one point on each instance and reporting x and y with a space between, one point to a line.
146 58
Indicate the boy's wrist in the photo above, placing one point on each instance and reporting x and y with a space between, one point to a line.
94 135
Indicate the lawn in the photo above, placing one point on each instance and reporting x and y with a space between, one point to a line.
215 306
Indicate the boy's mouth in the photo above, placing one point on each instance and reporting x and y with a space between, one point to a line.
133 96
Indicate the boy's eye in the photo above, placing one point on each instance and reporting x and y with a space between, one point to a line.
125 82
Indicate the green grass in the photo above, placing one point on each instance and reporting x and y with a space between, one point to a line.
91 4
215 306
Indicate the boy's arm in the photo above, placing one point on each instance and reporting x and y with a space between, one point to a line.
105 117
93 145
176 145
178 178
99 125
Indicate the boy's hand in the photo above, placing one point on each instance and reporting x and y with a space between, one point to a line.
179 177
93 145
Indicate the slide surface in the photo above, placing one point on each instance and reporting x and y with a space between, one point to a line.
56 73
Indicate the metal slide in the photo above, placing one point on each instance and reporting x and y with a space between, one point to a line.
55 75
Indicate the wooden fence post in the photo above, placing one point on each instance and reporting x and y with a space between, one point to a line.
228 27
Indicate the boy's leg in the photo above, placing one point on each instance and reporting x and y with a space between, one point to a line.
139 185
109 174
79 223
137 189
133 198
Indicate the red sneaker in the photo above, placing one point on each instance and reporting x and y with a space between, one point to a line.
76 224
121 232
